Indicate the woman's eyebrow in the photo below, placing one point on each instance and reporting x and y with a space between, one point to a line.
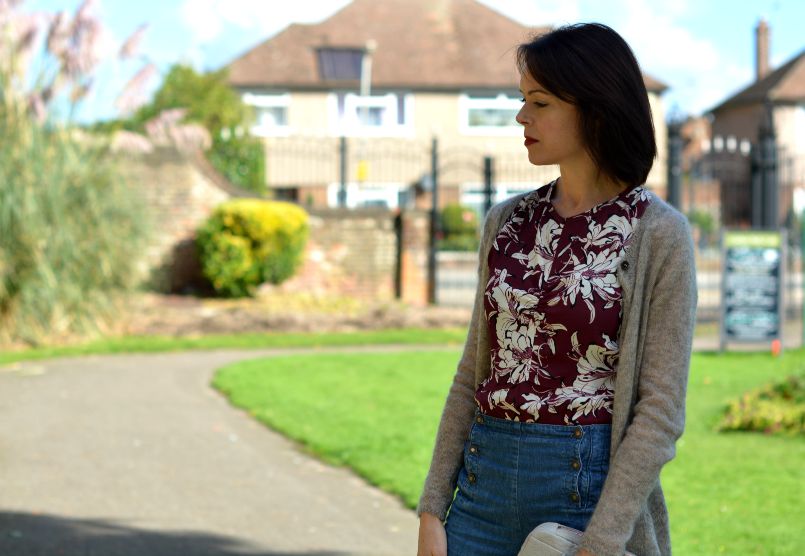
534 91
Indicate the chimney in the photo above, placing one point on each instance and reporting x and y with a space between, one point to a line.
761 50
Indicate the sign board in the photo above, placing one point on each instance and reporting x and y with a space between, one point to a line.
752 286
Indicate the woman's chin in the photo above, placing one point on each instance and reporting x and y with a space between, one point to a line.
537 160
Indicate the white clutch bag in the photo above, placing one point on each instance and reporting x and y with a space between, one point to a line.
552 539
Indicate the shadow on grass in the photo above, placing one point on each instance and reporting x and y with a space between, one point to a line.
23 534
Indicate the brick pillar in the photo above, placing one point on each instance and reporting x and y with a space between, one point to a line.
414 258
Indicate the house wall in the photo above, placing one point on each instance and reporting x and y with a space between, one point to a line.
789 125
307 158
741 122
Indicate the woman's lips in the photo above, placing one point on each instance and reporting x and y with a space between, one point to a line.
529 141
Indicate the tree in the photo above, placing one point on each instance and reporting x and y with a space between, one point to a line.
207 97
210 102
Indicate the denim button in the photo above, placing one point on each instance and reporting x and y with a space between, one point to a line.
473 449
577 433
575 464
479 420
471 478
574 497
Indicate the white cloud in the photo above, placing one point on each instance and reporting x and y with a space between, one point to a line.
208 19
698 73
536 12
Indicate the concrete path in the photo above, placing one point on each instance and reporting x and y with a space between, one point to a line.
135 455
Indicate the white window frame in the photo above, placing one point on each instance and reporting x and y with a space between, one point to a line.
358 194
501 101
350 125
266 100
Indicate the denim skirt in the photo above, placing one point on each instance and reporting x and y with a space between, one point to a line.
518 475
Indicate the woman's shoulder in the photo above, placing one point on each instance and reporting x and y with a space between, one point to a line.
664 217
664 225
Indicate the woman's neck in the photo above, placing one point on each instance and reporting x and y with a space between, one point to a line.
582 187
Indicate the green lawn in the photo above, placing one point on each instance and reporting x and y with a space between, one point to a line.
134 344
736 493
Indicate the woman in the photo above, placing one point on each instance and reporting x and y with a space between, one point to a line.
569 396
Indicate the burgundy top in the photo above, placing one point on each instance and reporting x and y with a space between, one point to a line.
553 310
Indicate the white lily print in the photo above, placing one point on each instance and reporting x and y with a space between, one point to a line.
595 275
592 390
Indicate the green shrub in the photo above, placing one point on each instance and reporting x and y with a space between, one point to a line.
778 407
241 160
459 226
247 242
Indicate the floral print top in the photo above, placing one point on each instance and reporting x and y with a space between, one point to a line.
553 310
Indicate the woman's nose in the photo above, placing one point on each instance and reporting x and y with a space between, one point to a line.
520 118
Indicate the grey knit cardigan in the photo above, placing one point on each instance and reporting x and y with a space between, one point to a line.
658 280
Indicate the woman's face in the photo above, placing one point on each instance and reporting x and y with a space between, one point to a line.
550 126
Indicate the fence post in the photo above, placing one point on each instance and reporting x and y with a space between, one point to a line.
771 188
675 164
434 220
489 172
342 190
757 186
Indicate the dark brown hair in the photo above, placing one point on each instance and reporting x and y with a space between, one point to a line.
590 66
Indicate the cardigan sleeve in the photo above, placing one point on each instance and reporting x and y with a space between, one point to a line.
659 412
459 408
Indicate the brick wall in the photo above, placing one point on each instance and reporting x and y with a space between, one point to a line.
354 253
181 191
349 252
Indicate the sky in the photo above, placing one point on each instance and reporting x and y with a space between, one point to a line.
702 49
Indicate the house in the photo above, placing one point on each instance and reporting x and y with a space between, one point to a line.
431 69
776 97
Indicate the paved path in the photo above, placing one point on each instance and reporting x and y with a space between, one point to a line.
135 455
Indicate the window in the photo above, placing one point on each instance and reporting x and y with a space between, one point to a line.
489 114
379 115
339 64
271 113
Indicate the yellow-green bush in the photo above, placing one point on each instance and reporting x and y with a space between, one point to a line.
247 242
778 407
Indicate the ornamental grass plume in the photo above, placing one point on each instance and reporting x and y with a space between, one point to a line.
72 231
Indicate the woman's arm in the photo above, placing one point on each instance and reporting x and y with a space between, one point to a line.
459 407
659 413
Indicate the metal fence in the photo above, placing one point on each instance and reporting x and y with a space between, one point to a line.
737 184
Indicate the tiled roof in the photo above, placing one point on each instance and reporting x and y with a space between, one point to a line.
783 85
421 44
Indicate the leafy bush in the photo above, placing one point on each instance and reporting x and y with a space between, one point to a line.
778 407
706 224
241 160
247 242
459 227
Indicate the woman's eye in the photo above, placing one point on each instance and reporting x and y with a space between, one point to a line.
537 104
